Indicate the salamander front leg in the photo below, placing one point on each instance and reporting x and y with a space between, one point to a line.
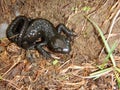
40 49
62 27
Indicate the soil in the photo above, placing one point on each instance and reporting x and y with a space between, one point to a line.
27 70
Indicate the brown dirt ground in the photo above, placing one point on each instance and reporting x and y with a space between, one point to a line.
27 70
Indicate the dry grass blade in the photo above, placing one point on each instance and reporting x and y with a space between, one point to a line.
18 60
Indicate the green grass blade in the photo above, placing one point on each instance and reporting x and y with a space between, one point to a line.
117 69
112 49
104 41
118 79
99 73
108 56
1 77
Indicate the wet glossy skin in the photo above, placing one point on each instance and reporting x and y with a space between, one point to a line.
36 33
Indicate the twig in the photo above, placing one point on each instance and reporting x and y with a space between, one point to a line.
112 24
19 58
64 64
11 83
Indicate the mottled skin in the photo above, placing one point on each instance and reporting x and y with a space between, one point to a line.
26 33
